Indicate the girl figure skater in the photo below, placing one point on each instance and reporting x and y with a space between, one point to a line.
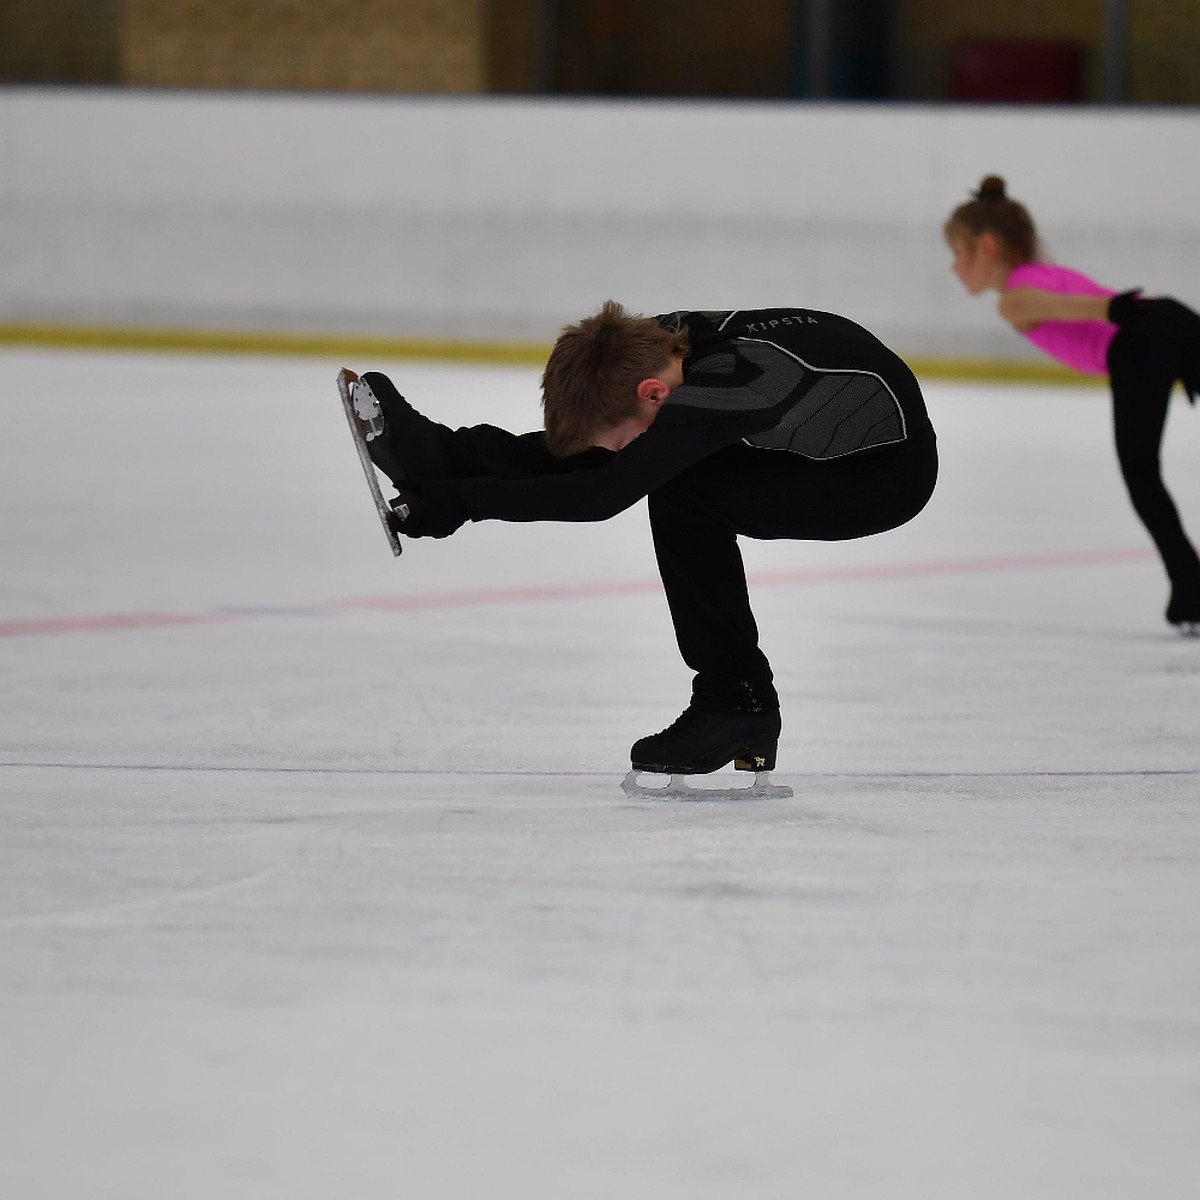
1143 345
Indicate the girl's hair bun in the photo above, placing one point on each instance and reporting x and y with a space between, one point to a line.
992 210
992 188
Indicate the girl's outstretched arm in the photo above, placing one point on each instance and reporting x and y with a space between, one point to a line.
1025 307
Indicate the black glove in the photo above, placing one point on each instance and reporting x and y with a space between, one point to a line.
432 509
1123 310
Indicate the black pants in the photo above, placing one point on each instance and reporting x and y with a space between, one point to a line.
1159 344
744 491
697 518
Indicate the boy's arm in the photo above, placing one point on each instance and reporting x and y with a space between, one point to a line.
590 494
1025 307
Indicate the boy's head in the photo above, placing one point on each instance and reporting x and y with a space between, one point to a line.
592 376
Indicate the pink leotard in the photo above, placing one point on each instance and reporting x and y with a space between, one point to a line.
1080 344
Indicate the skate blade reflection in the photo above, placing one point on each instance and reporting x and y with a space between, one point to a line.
678 788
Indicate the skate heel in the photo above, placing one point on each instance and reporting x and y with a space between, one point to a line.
757 758
366 409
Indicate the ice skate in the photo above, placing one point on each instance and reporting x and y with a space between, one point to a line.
361 411
703 739
1183 611
407 446
392 437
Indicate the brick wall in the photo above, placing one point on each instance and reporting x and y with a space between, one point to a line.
67 41
358 45
708 47
1164 52
1164 42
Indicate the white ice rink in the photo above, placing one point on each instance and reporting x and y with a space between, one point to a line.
316 879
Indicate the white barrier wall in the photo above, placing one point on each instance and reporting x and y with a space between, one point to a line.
492 218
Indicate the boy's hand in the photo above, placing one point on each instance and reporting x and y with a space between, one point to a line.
403 506
434 509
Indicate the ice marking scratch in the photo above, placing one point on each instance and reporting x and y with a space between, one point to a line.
534 773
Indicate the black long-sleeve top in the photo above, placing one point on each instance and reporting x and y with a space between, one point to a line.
786 379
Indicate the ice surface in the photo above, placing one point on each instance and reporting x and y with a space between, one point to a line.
316 877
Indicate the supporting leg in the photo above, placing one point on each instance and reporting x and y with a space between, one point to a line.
1141 386
696 520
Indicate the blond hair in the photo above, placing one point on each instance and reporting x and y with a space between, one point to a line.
591 378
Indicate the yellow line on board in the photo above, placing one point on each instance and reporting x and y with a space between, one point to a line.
218 341
345 347
999 370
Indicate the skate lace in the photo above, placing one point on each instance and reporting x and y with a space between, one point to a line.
692 717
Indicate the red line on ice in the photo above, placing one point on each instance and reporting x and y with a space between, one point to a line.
760 579
105 621
579 591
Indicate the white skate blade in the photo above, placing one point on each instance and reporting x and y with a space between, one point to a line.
1189 628
678 788
345 380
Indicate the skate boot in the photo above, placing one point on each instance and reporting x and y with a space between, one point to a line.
1183 610
402 443
712 731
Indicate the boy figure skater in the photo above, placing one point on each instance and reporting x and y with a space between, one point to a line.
774 423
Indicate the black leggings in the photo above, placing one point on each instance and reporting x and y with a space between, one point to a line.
1159 344
697 517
